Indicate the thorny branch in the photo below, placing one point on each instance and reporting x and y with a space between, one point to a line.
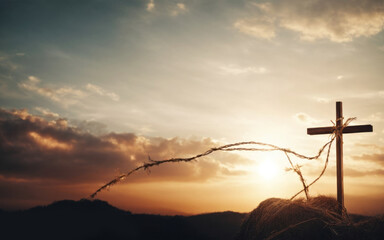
240 147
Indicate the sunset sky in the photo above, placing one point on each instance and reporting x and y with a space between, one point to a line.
90 89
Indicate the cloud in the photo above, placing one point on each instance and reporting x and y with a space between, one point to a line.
167 8
178 9
236 70
322 100
150 5
260 27
337 21
46 112
49 142
367 95
65 95
375 117
102 92
305 118
91 127
35 149
6 63
349 172
377 158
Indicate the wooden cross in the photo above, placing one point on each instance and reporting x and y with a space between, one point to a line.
339 146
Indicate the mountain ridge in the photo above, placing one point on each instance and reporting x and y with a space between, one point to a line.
97 219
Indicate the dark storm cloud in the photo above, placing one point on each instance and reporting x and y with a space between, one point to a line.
33 148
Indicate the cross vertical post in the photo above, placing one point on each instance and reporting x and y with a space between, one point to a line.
339 154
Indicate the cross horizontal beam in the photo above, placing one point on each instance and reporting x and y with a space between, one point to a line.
348 129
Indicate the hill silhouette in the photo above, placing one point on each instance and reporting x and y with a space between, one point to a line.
273 219
91 220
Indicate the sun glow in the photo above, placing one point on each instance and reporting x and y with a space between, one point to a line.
267 169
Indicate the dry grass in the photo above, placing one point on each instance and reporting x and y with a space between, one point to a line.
316 218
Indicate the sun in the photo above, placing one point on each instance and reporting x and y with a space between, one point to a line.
267 169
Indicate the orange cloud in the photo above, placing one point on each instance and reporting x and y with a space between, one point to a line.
33 147
49 142
42 160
